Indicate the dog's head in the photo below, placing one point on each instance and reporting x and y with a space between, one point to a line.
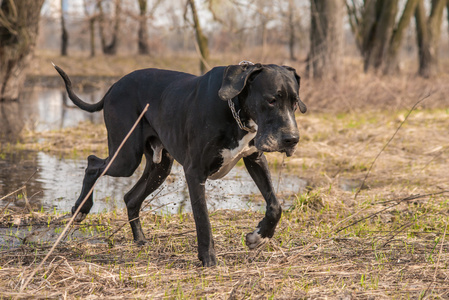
268 94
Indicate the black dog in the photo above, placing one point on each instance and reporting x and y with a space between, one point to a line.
207 123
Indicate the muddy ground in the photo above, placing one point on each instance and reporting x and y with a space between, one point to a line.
385 240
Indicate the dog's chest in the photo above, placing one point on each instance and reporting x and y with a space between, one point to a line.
232 156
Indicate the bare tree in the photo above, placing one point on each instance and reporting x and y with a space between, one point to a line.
447 14
373 23
326 39
428 30
142 32
237 19
92 16
294 31
291 29
247 23
19 20
110 48
201 39
64 32
380 32
378 35
391 61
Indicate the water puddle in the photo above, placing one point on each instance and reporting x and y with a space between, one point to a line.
54 183
57 183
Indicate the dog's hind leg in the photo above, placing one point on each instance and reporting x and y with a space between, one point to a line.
95 166
124 165
153 176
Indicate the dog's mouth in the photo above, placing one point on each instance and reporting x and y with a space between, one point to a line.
290 151
272 145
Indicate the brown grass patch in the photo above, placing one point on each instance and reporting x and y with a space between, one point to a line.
400 252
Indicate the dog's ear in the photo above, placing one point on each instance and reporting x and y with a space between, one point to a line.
235 78
302 106
297 77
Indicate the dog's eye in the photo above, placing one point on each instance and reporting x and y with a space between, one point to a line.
271 101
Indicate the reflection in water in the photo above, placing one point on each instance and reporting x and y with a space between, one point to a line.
57 182
15 170
44 109
37 110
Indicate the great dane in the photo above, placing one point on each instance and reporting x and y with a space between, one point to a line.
207 124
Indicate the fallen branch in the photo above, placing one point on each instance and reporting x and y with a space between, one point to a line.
388 143
399 201
16 191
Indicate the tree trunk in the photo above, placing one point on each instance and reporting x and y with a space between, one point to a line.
111 48
291 29
143 29
101 24
326 39
391 60
64 33
200 37
381 32
422 38
19 20
428 36
447 14
263 34
354 23
92 36
91 16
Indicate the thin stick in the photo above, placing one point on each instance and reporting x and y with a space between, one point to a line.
203 60
22 187
441 250
280 174
399 201
16 191
386 145
82 203
10 194
438 262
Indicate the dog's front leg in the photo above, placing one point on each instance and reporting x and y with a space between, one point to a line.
206 251
258 169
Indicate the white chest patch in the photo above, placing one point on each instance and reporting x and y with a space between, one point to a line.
232 156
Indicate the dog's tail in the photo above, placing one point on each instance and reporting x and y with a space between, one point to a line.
75 99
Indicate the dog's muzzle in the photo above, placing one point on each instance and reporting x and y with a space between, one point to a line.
286 143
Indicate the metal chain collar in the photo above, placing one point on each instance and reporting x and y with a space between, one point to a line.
236 116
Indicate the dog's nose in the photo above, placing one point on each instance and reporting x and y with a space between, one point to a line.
290 140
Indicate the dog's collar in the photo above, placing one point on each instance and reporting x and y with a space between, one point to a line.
236 116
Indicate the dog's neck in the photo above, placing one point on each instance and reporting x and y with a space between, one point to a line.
235 109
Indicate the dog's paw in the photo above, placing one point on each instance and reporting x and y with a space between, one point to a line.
209 261
254 239
141 242
79 216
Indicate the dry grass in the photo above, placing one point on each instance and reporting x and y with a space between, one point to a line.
400 252
384 244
